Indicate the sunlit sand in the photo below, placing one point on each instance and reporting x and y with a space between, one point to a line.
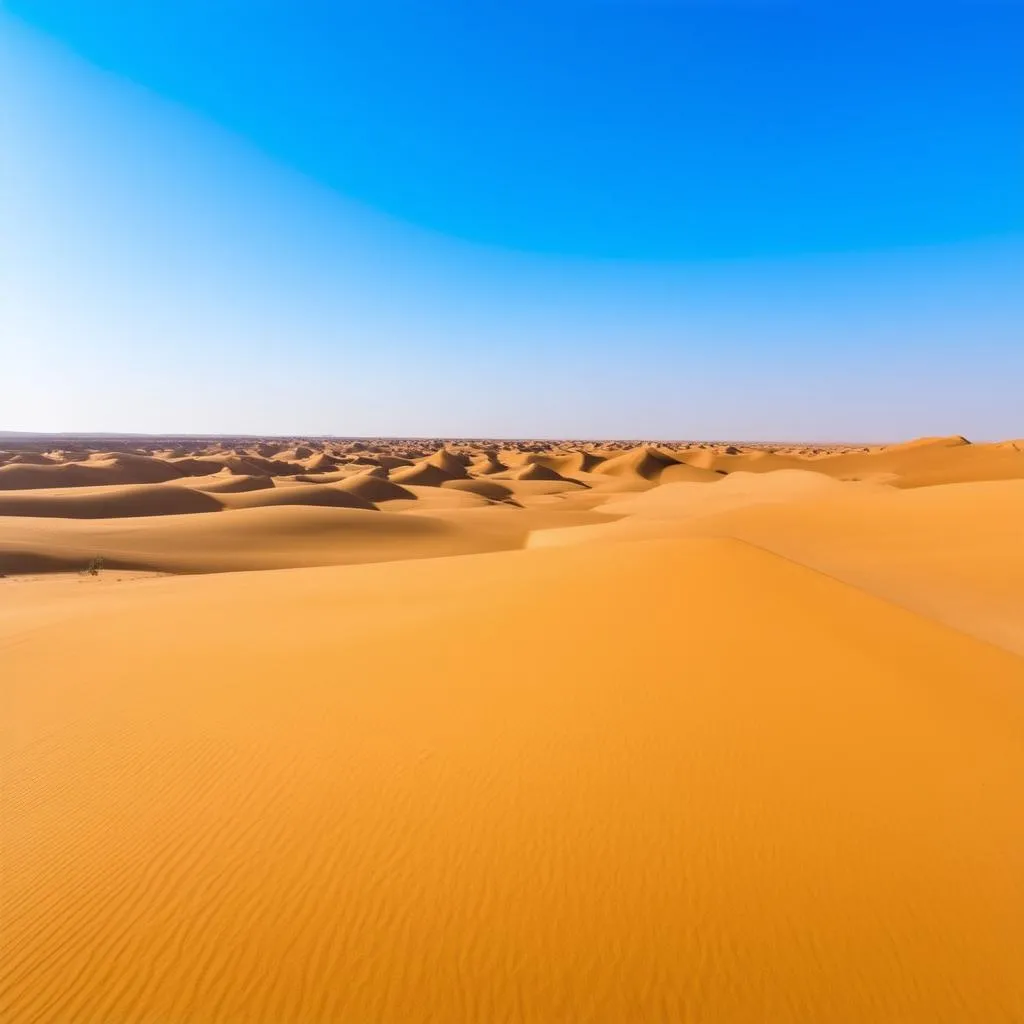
406 731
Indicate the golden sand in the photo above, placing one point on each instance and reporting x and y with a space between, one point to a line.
588 747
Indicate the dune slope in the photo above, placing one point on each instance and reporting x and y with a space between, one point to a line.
276 537
953 552
487 788
107 502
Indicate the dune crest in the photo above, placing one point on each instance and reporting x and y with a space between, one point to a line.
646 462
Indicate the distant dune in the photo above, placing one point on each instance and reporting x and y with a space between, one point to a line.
390 731
535 471
426 474
97 470
111 502
645 462
308 494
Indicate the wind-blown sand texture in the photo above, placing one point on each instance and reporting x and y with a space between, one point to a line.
402 731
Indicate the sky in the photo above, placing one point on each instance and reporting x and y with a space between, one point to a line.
728 219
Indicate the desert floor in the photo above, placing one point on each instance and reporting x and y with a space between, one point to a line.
403 731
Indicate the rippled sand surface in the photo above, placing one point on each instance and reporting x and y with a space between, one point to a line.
744 749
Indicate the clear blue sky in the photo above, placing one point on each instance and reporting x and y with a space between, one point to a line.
637 218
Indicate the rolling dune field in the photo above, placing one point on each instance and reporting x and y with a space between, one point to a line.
304 730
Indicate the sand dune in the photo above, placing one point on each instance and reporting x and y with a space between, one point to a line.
248 464
422 475
659 511
921 443
923 462
565 462
571 463
196 466
369 779
536 731
535 471
25 459
106 502
426 498
241 539
97 471
319 462
227 483
510 525
339 474
391 461
732 460
683 472
736 490
452 463
373 487
645 462
953 552
486 463
940 461
326 495
490 489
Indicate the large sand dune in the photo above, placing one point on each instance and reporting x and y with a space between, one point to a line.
954 552
728 734
110 502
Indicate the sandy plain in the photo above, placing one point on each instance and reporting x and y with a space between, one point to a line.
415 730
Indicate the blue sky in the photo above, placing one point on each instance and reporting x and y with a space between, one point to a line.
578 218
